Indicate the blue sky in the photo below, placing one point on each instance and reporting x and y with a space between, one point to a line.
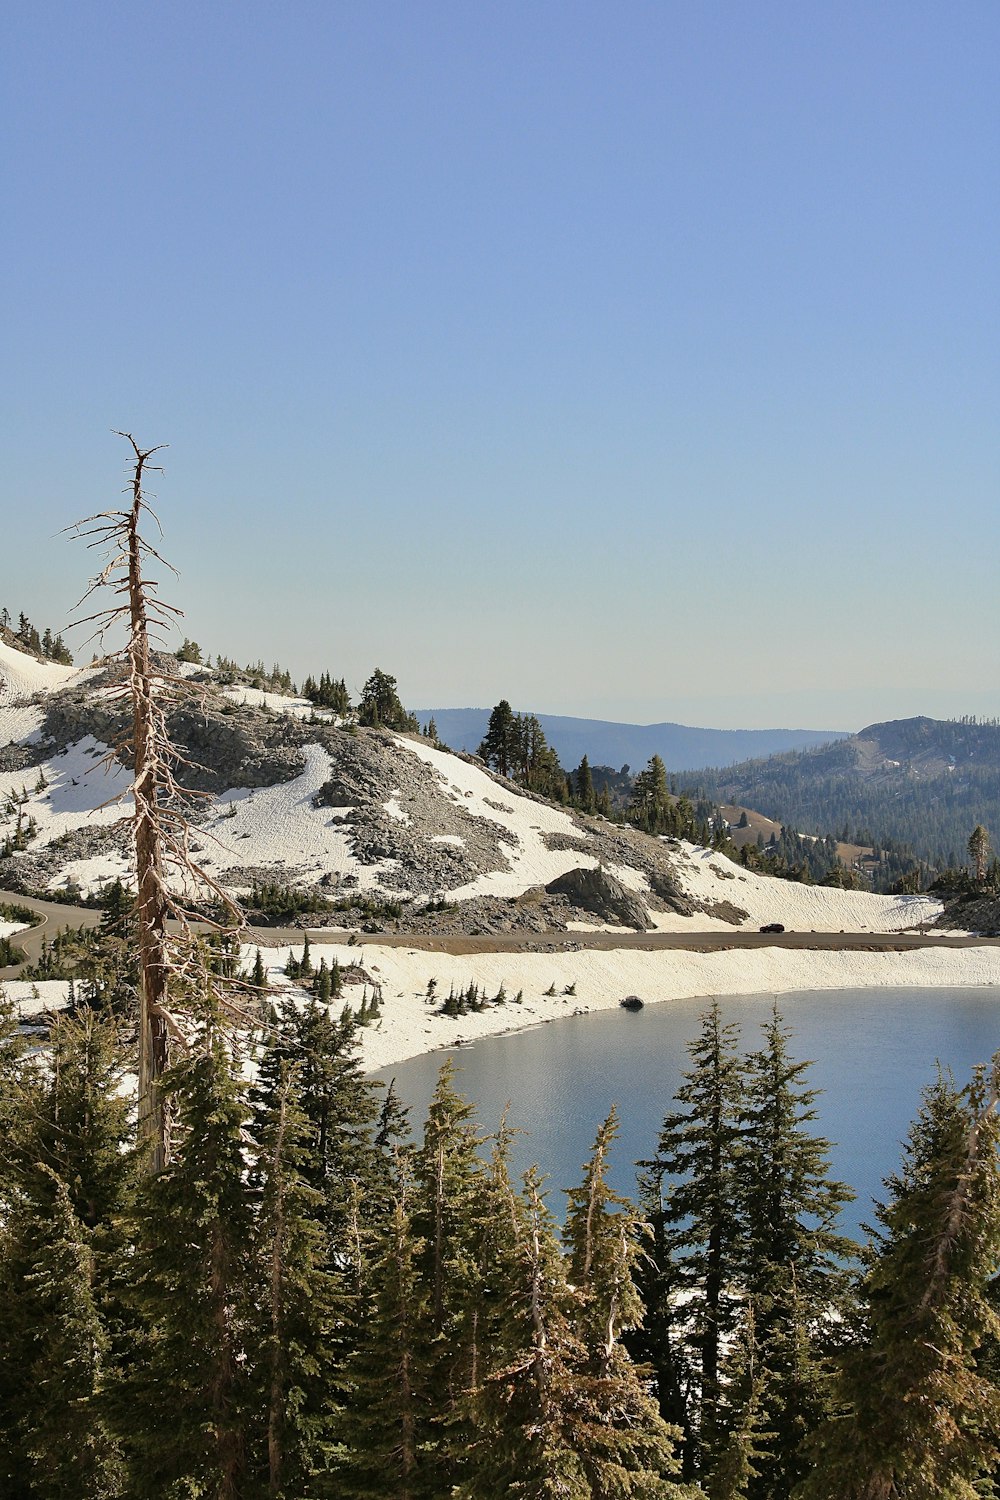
633 361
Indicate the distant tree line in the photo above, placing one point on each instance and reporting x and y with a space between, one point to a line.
52 647
916 821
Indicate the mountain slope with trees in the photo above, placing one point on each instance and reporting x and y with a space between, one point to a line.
920 784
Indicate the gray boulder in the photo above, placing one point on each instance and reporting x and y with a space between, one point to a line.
599 893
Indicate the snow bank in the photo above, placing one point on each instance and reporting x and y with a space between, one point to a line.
22 676
281 827
600 979
297 708
34 997
20 722
79 784
802 908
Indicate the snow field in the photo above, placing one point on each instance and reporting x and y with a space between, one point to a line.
706 875
408 1025
297 708
82 790
21 676
523 820
279 826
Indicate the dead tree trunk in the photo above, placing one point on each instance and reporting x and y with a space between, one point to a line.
169 960
152 900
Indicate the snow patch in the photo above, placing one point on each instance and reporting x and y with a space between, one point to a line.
524 821
282 827
80 781
297 708
708 876
408 1025
22 676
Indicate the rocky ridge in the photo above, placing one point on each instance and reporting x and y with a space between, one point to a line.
435 831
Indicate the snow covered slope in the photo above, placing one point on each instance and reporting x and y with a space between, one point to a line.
23 680
357 814
707 876
23 677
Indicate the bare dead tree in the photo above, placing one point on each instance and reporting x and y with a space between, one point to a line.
175 979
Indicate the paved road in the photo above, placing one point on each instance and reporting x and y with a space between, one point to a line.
55 916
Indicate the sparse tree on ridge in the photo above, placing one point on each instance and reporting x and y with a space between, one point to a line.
499 747
584 786
380 706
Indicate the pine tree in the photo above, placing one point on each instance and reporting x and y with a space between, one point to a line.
338 1101
180 1408
447 1172
532 1407
323 988
584 782
919 1417
651 807
54 1424
979 851
499 747
19 1101
379 705
690 1280
795 1262
629 1448
82 1122
387 1411
744 1401
293 1359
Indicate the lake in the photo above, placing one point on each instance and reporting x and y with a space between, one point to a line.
872 1050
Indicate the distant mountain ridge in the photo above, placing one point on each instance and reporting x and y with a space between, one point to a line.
606 743
922 782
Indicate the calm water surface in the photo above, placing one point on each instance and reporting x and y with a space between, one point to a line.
872 1051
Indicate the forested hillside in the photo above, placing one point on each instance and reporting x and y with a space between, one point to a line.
923 783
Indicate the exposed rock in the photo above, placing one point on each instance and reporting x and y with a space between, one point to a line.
979 914
664 884
599 893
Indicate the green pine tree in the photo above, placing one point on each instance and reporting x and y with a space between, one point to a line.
386 1417
181 1405
690 1280
447 1171
796 1262
56 1425
629 1449
584 783
293 1358
919 1412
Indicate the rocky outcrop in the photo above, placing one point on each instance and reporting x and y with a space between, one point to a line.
602 896
979 914
664 884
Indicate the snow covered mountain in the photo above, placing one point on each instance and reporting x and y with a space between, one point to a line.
363 826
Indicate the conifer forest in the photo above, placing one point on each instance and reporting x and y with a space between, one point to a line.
310 1300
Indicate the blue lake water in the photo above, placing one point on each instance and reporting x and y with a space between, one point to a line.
873 1051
